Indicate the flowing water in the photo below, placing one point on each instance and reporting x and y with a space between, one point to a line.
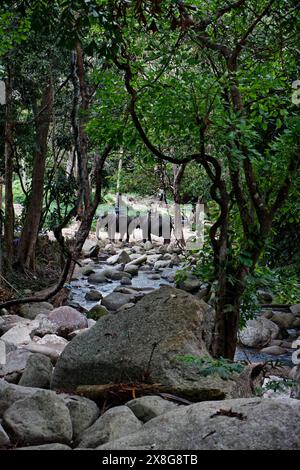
144 282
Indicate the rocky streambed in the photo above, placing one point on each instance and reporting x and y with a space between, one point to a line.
126 345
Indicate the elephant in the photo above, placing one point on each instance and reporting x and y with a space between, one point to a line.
117 223
150 224
156 224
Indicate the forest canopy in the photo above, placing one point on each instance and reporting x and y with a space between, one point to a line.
198 101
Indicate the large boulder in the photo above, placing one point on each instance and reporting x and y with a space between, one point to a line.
116 422
67 319
146 342
40 419
258 333
242 424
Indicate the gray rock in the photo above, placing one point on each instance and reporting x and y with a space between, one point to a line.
75 333
48 340
93 295
155 277
296 323
30 311
4 439
126 306
202 293
175 260
166 323
115 423
208 322
264 296
284 320
83 412
21 333
46 327
131 269
122 257
118 275
241 424
10 393
87 271
190 284
258 333
9 321
149 407
137 261
295 309
125 281
67 319
42 418
91 322
296 392
274 350
38 372
54 446
15 365
148 245
115 300
168 275
97 312
49 346
98 278
152 259
161 264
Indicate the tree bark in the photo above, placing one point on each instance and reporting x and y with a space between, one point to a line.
26 252
178 172
9 168
88 204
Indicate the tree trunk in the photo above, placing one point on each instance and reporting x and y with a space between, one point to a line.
8 152
227 317
26 252
178 172
88 204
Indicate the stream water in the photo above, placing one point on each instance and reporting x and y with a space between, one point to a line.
143 281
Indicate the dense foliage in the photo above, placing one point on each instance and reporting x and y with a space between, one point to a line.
143 96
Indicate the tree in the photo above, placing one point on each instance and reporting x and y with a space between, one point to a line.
235 143
9 155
